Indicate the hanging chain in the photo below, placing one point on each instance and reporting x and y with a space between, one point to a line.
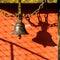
19 10
36 11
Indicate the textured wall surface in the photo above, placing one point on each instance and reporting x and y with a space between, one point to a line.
37 45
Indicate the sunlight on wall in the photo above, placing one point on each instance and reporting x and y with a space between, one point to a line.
27 1
52 1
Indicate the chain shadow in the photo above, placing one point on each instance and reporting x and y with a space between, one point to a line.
12 54
43 37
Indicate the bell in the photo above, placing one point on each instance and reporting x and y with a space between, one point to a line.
19 28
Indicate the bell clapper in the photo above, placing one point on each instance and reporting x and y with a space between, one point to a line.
19 36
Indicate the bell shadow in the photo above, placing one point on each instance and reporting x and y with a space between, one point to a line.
43 37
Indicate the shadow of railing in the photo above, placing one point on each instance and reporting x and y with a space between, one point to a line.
12 54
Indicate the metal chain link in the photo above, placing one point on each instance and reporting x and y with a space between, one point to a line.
35 12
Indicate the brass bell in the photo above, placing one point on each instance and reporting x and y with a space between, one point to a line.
19 28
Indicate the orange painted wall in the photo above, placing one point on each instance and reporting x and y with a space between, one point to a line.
31 46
